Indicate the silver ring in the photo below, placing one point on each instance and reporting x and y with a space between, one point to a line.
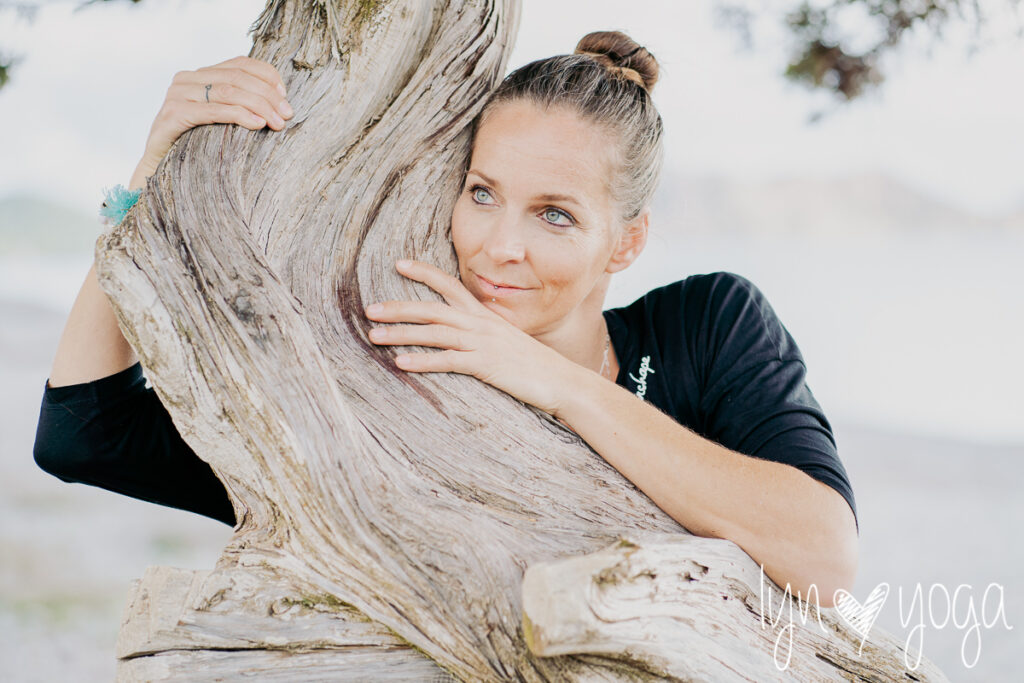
208 86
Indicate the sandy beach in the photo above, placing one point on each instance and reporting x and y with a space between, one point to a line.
932 511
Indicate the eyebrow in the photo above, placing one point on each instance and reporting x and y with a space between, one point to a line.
543 197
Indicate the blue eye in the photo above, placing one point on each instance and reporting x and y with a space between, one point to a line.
551 215
478 193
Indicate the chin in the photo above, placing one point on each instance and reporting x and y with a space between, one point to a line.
502 309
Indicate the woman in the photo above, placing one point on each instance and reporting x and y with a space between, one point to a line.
695 392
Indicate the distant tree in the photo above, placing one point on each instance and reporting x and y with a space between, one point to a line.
23 12
822 58
5 69
829 54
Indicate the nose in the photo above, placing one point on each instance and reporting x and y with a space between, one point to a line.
505 240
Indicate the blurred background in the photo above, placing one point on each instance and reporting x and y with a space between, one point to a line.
881 213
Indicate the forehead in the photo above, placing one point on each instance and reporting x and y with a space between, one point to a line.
537 151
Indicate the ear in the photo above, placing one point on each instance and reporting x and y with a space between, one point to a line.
631 242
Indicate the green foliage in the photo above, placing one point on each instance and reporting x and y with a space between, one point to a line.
824 59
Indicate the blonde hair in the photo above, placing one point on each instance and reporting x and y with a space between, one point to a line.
607 80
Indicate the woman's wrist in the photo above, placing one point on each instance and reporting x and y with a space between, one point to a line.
573 386
138 180
145 169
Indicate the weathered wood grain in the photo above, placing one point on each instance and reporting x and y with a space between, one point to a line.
699 609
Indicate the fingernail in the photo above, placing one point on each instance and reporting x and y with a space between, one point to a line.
374 308
403 263
280 89
286 109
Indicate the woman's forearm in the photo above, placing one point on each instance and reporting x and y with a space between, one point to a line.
801 531
92 345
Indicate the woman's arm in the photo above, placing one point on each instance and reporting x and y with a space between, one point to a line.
244 91
115 434
800 530
92 345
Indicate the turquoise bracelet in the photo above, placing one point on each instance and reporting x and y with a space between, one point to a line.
117 203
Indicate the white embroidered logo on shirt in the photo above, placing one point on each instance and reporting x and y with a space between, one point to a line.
641 382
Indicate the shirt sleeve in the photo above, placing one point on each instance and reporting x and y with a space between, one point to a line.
115 433
756 400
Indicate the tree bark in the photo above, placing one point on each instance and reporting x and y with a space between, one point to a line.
699 609
385 518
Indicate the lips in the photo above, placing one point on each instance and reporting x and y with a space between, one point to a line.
505 293
496 284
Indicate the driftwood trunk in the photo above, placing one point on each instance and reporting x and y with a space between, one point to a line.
386 518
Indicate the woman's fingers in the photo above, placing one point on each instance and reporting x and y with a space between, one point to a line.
242 90
418 312
223 98
449 286
442 336
259 69
239 78
233 86
196 114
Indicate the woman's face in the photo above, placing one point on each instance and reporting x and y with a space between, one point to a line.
535 213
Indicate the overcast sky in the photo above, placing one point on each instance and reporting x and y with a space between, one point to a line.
78 109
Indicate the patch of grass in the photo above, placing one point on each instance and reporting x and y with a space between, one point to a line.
60 609
169 544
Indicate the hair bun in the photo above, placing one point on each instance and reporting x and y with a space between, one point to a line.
622 55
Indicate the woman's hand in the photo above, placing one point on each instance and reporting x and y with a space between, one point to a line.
242 90
477 341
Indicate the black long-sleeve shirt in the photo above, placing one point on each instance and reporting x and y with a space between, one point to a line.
116 434
707 350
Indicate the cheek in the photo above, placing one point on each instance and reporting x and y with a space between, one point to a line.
566 266
460 228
